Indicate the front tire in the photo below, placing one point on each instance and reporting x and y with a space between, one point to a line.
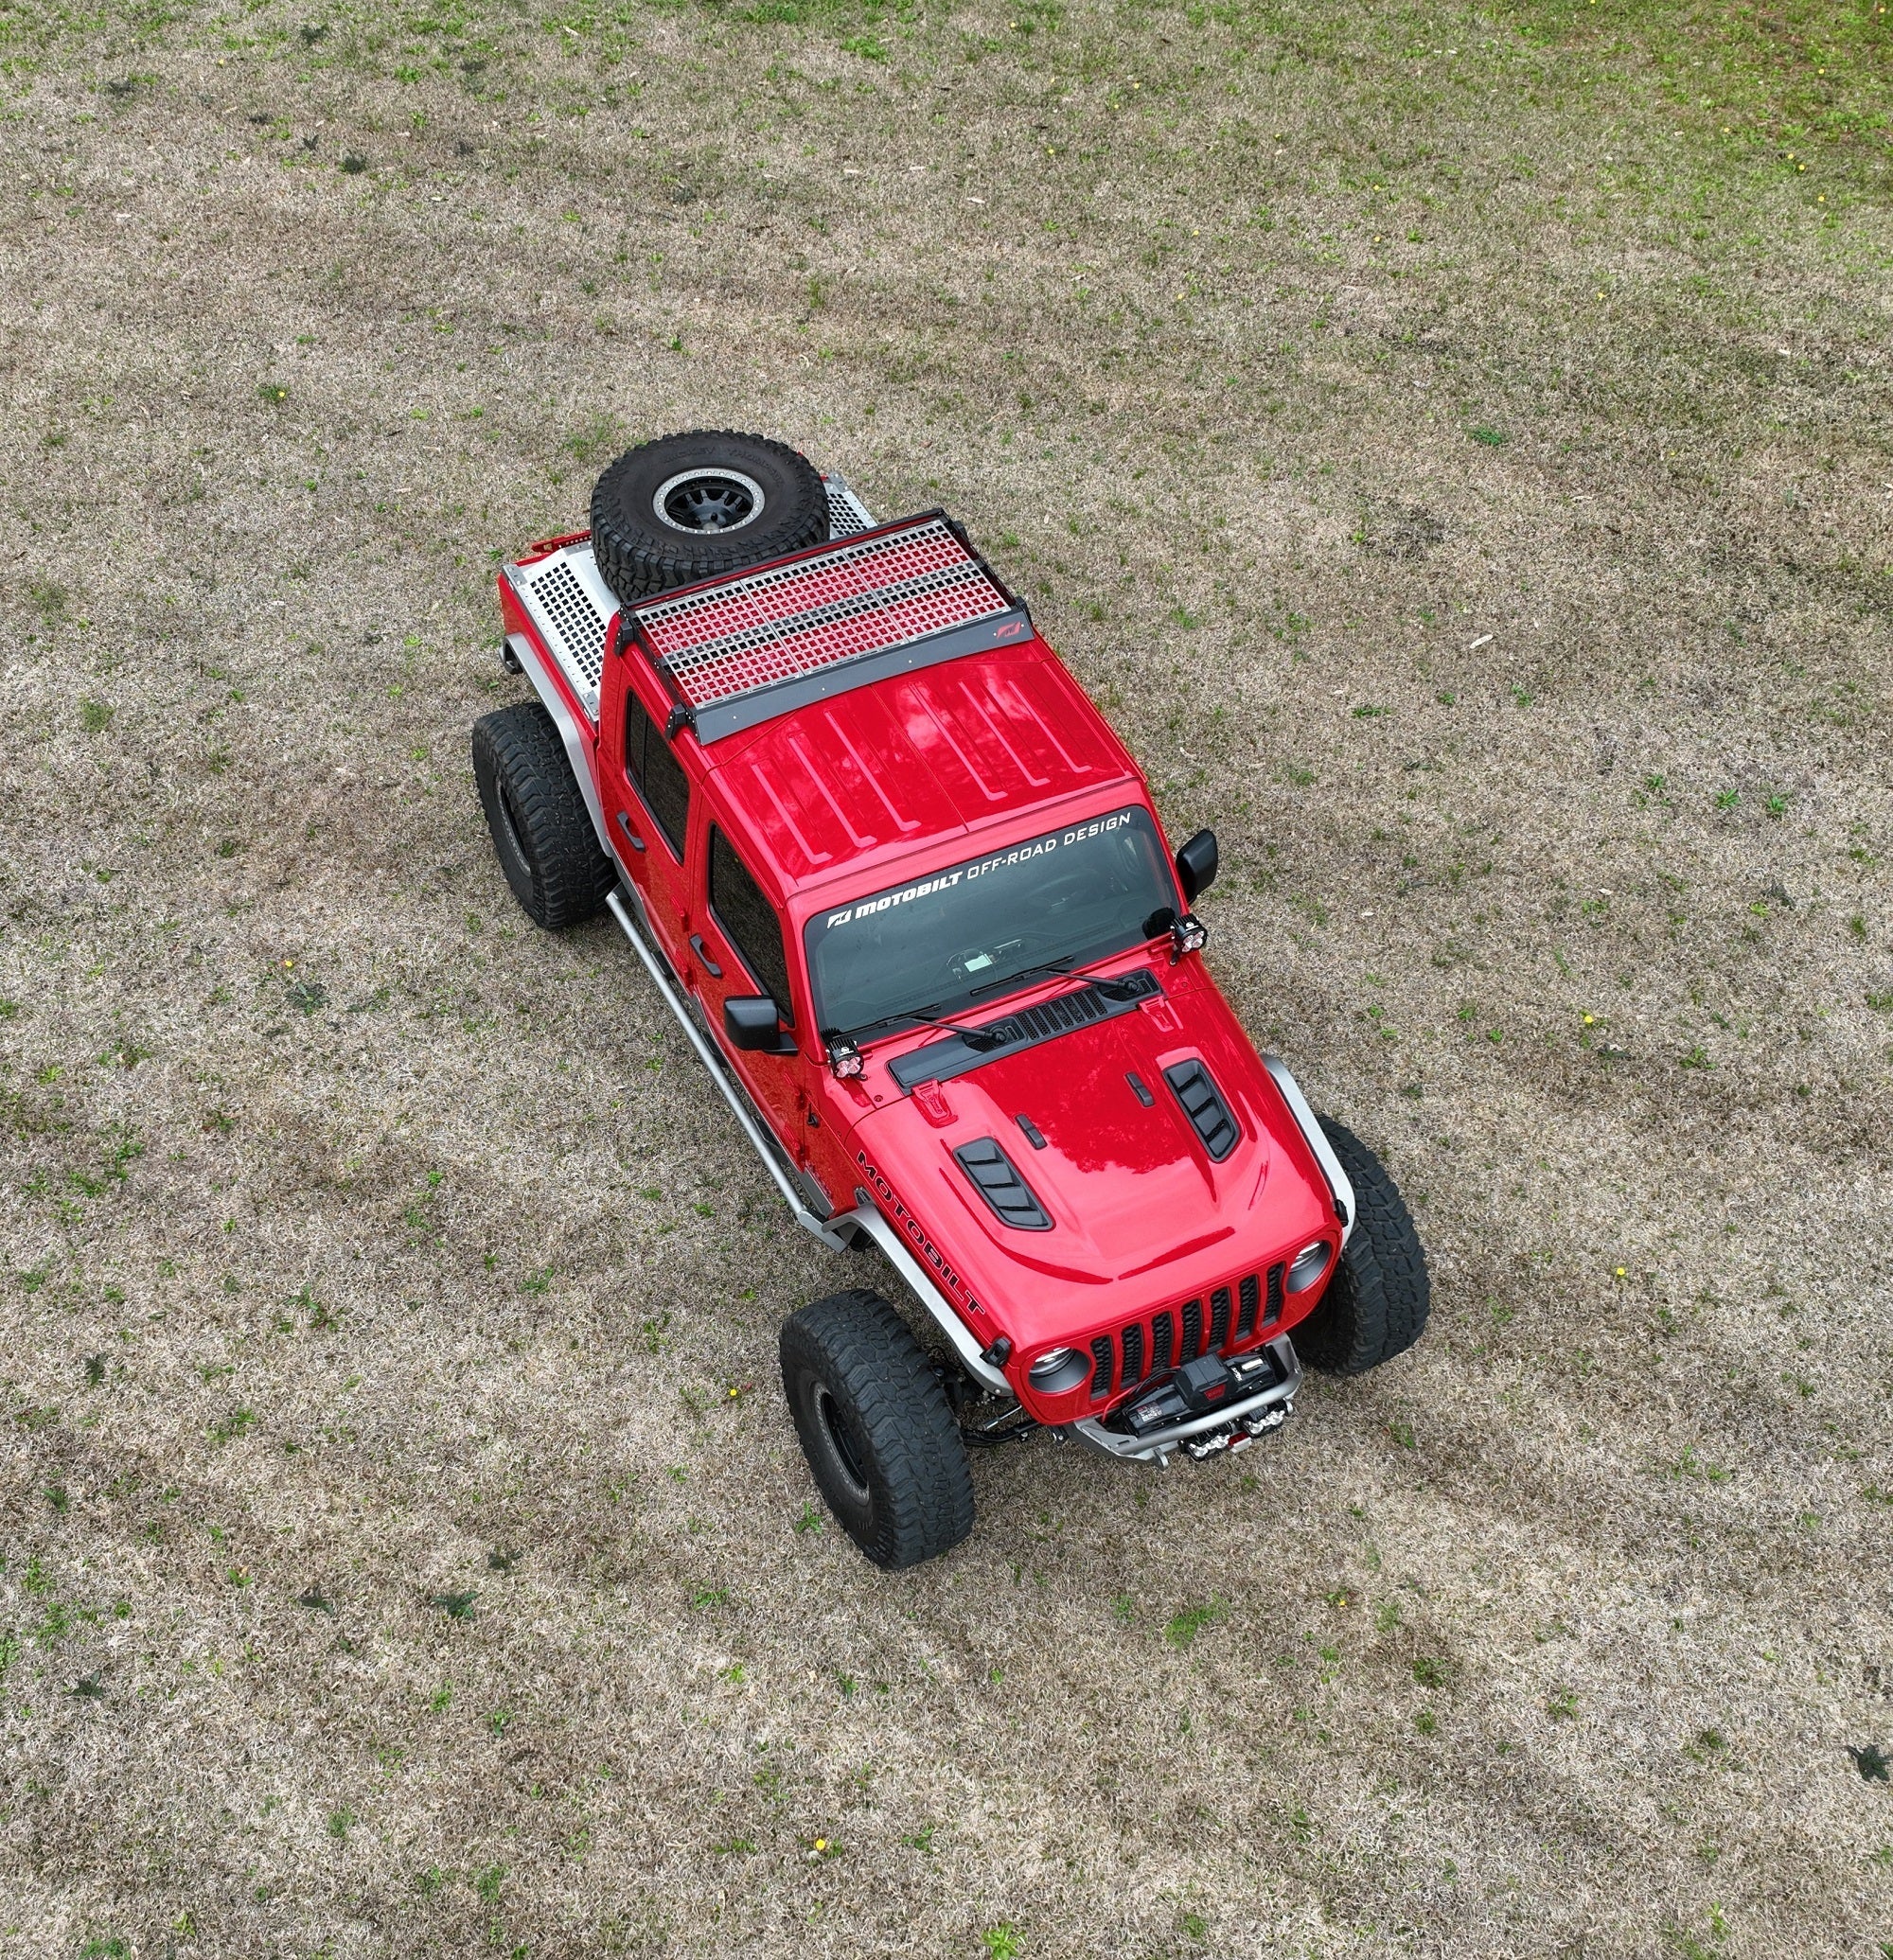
1377 1301
541 830
875 1424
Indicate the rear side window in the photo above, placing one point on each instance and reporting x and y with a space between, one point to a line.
654 767
750 920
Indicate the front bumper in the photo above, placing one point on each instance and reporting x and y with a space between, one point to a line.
1234 1427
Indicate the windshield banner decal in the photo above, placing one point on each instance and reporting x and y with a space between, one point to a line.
1003 861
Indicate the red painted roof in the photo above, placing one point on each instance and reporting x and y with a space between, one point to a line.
907 761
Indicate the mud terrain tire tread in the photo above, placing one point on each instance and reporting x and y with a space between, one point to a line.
919 1485
1376 1304
542 832
639 556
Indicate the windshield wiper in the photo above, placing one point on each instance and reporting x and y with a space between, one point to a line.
1110 989
976 1038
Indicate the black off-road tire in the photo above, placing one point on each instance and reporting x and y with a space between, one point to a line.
1376 1304
541 830
733 500
876 1429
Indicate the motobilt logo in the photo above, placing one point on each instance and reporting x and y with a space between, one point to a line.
980 868
913 1228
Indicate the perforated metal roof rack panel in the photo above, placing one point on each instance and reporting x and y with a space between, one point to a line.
1203 1104
847 514
741 650
567 599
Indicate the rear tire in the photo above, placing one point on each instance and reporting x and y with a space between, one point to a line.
541 830
875 1426
697 505
1377 1301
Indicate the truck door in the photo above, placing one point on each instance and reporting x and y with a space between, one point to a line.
646 797
738 949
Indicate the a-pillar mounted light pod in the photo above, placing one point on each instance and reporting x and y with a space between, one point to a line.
1187 935
844 1058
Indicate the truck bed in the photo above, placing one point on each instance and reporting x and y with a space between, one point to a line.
570 606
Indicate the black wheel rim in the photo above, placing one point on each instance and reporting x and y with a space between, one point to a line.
709 500
843 1450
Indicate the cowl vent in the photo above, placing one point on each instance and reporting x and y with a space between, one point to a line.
1001 1186
1204 1106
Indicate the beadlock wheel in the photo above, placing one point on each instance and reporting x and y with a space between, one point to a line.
699 505
709 500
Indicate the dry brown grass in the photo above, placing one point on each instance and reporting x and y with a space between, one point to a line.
365 1251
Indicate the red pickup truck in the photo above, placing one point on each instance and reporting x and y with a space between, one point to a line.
909 897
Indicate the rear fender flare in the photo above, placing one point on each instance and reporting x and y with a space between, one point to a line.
569 733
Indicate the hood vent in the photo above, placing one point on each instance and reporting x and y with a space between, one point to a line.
940 1061
1001 1186
1204 1106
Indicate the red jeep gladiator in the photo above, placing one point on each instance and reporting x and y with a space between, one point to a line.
911 901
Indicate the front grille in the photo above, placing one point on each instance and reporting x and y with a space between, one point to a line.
1140 1348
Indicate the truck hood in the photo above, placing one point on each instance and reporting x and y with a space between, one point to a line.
1138 1210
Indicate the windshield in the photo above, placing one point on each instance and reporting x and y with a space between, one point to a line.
957 936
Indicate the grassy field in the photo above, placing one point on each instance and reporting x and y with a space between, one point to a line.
1456 448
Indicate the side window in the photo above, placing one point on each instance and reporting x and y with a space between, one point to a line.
750 920
652 765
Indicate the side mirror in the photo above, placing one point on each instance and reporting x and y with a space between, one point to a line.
749 1022
1197 865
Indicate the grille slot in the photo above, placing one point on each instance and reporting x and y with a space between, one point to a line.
1203 1104
1273 1312
1133 1353
998 1181
1248 1296
1193 1330
1100 1368
1163 1342
1219 1320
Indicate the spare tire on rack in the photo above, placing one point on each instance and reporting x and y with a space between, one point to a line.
697 505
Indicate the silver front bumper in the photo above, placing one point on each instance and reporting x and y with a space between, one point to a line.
1206 1435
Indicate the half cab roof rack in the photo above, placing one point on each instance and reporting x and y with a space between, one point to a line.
738 651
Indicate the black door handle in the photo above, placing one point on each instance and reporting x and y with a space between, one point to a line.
702 952
636 843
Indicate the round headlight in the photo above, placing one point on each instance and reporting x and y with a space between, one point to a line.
1057 1370
1310 1263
